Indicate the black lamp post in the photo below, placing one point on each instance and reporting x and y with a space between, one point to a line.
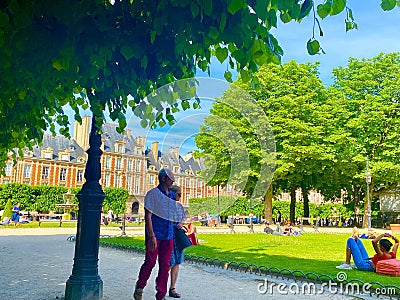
368 179
85 282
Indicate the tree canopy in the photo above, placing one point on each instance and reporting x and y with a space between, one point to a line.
108 55
323 134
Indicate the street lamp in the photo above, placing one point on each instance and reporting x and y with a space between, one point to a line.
368 179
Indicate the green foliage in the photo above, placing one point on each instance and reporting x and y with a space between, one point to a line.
8 209
45 198
242 207
115 199
93 54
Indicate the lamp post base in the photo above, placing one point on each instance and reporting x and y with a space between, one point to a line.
84 289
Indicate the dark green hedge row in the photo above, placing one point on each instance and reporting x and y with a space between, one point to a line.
44 198
243 206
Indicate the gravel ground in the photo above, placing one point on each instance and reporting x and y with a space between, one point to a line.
36 263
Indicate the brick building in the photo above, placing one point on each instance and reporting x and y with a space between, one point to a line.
125 163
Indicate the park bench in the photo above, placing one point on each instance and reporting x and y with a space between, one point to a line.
49 218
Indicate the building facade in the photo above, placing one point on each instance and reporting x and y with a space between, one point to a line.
125 163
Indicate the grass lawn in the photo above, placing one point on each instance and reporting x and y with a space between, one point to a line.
318 253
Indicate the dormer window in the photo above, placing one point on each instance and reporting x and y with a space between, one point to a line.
119 147
47 153
28 153
64 155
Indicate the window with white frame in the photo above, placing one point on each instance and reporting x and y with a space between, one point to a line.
27 171
117 181
138 165
118 164
228 188
130 164
8 169
151 179
45 172
63 174
106 180
120 148
129 183
65 156
187 182
79 176
137 185
108 162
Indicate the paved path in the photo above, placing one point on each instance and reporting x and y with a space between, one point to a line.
36 263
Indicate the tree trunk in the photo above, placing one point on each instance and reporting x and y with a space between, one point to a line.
292 204
306 203
268 205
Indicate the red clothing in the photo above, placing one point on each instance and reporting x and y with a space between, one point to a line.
376 258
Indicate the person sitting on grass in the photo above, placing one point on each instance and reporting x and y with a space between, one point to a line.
355 248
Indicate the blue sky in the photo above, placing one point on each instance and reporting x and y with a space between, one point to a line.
378 31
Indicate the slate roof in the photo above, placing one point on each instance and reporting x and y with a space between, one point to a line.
59 143
110 136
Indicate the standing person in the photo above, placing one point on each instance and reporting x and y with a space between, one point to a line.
278 218
177 256
159 234
15 214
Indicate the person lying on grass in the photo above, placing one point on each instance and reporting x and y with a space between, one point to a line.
355 248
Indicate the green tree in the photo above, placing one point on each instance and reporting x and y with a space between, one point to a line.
115 199
8 209
93 54
368 93
292 98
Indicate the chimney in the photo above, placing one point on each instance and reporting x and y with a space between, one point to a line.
154 150
128 133
81 132
175 151
140 141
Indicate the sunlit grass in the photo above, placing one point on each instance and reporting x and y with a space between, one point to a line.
318 253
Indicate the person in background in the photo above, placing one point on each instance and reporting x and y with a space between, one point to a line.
355 248
15 214
177 256
267 229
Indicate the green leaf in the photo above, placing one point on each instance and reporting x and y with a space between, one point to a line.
228 76
388 4
127 52
143 123
349 25
194 8
324 10
153 36
221 54
338 6
313 47
207 6
244 74
285 17
223 22
57 65
213 34
235 5
305 9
